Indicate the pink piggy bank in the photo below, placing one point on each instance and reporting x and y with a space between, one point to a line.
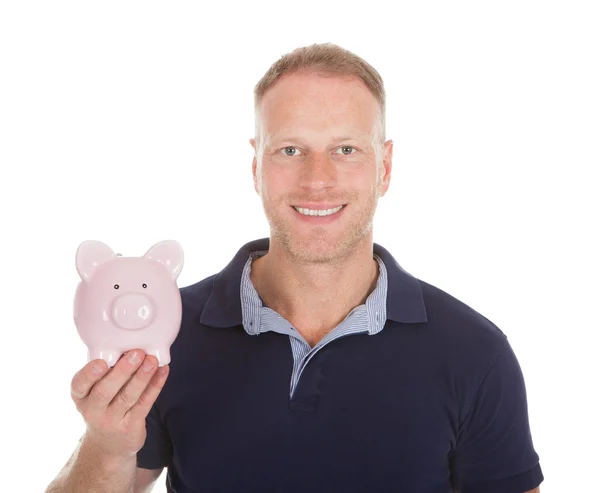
125 303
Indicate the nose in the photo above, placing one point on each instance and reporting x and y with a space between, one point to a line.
318 171
132 311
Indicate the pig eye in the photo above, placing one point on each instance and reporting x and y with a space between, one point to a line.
144 286
116 286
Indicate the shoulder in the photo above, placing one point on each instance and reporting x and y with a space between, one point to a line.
195 295
455 335
193 300
453 318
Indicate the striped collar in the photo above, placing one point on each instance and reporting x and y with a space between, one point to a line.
373 309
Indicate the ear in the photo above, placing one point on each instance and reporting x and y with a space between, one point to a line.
90 255
387 167
170 254
254 178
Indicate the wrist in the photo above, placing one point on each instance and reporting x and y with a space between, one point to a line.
108 461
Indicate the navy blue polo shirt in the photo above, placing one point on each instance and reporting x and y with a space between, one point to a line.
258 318
435 401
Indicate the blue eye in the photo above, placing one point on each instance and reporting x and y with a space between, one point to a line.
292 148
286 148
348 147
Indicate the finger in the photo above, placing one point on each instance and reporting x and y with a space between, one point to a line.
132 390
85 379
105 390
143 405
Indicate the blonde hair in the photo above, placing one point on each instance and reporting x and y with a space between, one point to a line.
326 59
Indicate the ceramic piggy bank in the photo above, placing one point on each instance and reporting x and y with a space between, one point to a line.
125 303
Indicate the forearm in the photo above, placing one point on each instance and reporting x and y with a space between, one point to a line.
92 471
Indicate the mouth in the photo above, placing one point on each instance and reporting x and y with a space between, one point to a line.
319 216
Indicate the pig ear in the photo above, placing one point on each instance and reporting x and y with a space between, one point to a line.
170 254
90 255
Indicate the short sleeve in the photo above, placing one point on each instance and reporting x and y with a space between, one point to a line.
494 449
157 450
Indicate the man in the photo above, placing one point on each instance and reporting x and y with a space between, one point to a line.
313 361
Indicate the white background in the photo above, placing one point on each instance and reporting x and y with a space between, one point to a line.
129 122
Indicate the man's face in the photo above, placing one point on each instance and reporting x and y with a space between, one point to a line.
320 137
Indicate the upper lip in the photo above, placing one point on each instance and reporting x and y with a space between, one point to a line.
316 206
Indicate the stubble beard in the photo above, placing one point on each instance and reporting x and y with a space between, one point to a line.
320 247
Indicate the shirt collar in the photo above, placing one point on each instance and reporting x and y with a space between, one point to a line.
404 299
373 308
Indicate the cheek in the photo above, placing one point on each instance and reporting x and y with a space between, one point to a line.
277 185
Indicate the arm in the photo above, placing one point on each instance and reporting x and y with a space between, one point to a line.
536 490
494 450
91 470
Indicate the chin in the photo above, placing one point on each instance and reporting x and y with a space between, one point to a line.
315 249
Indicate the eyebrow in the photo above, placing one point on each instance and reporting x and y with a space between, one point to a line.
359 137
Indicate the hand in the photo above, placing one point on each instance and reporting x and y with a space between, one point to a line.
115 403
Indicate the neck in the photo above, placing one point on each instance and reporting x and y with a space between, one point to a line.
315 297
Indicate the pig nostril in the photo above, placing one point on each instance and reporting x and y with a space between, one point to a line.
116 286
144 312
144 285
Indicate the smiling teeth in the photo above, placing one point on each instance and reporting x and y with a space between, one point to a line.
314 212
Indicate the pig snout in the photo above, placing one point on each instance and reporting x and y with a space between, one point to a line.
132 311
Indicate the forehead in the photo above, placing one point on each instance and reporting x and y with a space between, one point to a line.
125 269
318 102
